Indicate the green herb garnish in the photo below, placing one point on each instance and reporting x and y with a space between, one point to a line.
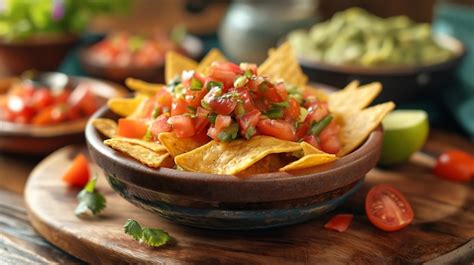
230 133
283 104
153 237
250 132
275 113
196 85
318 127
90 199
212 118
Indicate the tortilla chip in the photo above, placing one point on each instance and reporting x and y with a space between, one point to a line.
283 64
107 127
234 157
177 146
142 86
125 106
270 163
308 161
353 100
176 64
357 126
214 55
309 149
155 147
354 84
140 153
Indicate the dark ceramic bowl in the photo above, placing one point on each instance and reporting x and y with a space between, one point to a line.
191 45
43 53
228 202
400 84
41 140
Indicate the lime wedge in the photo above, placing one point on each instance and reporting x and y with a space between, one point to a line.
405 132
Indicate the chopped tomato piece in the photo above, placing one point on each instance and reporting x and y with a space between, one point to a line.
160 125
332 145
387 208
224 72
317 112
292 112
455 165
178 107
182 125
339 222
276 128
247 121
312 140
222 105
132 128
201 121
77 174
42 98
222 122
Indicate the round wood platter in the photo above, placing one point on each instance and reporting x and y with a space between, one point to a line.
443 226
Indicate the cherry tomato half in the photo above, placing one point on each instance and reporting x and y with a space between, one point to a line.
455 165
78 173
387 208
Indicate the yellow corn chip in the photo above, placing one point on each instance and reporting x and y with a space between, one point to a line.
107 127
354 84
125 106
142 86
282 64
213 55
155 147
308 161
140 153
176 64
270 163
308 149
357 126
234 157
177 146
353 100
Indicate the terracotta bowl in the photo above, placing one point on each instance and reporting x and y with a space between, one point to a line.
191 45
400 84
43 53
229 202
41 140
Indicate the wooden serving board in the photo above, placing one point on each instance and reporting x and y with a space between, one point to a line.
441 232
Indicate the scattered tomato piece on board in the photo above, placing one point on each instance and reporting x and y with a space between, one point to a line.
78 174
455 165
339 222
387 208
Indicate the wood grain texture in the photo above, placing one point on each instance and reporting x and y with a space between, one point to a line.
444 222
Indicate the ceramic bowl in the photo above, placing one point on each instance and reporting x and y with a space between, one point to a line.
400 84
41 140
191 45
229 202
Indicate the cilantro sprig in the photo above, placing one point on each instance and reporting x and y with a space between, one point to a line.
90 200
153 237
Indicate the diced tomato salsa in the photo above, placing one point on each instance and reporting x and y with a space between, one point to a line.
28 104
234 102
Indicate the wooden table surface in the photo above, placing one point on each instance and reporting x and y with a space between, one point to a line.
19 243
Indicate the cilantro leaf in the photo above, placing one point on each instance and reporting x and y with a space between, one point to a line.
133 228
152 237
90 199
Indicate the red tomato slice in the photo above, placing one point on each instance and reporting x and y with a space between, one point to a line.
276 128
201 121
182 125
455 165
178 107
160 125
387 208
292 112
339 222
77 174
222 122
132 128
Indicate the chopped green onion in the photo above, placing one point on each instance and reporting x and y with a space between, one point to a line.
319 126
148 135
229 133
212 118
205 104
283 104
297 97
250 132
240 81
212 84
156 112
191 109
196 84
303 114
248 73
275 113
239 109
